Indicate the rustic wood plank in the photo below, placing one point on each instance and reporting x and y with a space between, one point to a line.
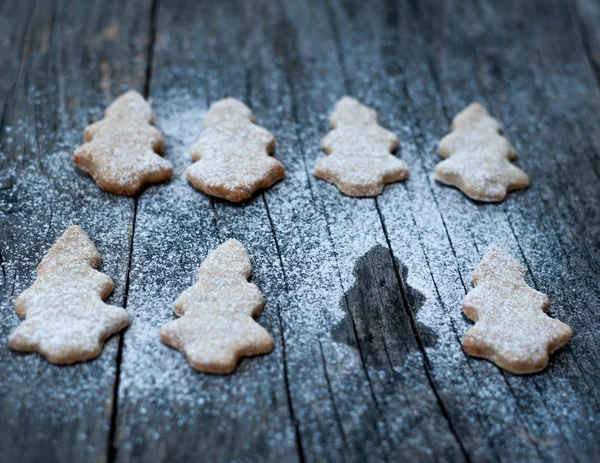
376 74
569 133
523 212
577 218
566 266
586 15
542 251
168 412
376 326
48 412
307 262
538 245
346 423
404 74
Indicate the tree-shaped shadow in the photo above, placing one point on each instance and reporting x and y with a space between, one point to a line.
381 311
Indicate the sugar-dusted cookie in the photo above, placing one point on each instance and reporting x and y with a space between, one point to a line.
511 326
216 327
66 319
232 154
478 157
359 162
120 150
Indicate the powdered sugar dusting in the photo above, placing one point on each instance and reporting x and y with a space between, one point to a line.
478 157
120 150
66 320
511 327
232 154
359 160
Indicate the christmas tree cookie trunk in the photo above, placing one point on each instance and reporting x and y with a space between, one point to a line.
66 319
216 327
511 326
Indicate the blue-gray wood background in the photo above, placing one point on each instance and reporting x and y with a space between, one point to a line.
362 295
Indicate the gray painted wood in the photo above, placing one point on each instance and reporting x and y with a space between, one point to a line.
586 15
377 327
52 87
362 295
167 411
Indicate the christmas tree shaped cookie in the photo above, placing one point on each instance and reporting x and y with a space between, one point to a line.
66 319
120 150
216 327
511 326
478 158
359 162
232 154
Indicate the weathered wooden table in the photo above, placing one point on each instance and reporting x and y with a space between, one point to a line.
362 295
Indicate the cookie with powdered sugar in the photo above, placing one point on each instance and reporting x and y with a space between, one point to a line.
233 155
120 151
511 328
478 157
216 328
359 160
66 319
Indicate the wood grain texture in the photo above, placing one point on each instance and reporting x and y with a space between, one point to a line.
433 88
362 296
376 325
168 411
385 71
586 16
53 86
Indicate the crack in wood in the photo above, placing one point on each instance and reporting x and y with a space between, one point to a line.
426 363
2 265
435 78
401 282
321 211
112 445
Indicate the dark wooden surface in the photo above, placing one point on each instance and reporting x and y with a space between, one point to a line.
362 295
